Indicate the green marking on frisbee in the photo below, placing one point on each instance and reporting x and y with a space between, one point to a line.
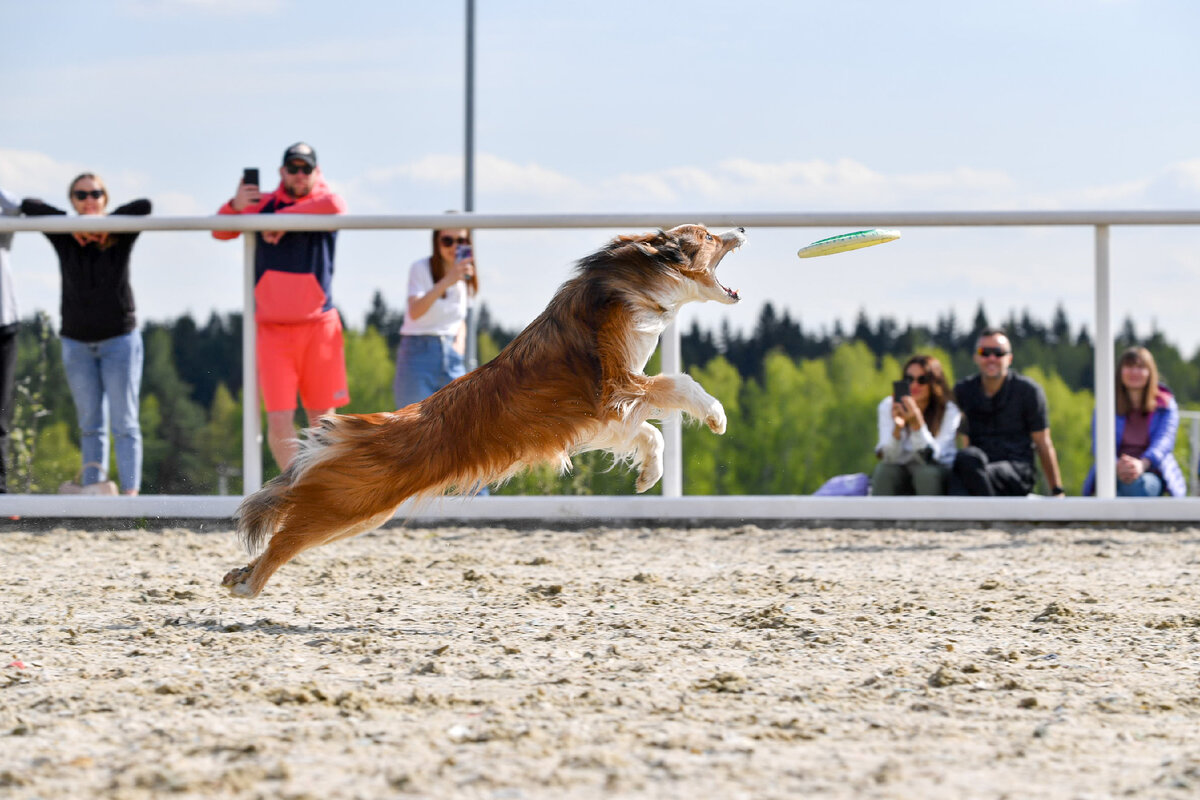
848 241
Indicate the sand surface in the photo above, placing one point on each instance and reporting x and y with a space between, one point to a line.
665 663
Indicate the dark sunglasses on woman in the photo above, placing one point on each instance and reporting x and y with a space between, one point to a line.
82 194
921 379
446 241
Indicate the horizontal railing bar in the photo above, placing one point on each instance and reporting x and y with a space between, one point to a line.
664 510
836 219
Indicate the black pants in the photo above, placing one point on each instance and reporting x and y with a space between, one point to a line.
974 474
8 378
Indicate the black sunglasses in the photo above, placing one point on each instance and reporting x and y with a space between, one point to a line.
446 241
998 352
292 169
82 194
921 379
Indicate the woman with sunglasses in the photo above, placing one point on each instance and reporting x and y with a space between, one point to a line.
434 334
1147 420
917 425
101 344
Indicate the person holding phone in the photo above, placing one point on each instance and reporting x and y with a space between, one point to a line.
101 344
299 347
917 426
433 336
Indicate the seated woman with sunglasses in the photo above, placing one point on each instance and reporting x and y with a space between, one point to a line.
101 344
917 425
434 334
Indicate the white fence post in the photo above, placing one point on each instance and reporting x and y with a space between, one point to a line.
672 427
1106 413
251 416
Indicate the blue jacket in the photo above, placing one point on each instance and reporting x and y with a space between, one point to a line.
1161 452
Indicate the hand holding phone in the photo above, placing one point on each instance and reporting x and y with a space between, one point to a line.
463 252
247 193
899 390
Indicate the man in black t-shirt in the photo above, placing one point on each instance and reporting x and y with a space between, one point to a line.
1004 421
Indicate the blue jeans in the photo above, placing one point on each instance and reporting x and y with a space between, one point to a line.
424 364
105 379
1147 485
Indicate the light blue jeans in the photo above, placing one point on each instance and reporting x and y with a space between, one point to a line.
1147 485
424 364
105 379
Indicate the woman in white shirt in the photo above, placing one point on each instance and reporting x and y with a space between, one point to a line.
916 433
434 334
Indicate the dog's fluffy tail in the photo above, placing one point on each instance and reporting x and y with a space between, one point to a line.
259 514
351 469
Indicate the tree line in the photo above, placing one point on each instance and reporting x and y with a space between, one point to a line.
801 403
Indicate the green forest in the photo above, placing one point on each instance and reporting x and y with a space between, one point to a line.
801 403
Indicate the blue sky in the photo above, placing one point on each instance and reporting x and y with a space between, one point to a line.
636 106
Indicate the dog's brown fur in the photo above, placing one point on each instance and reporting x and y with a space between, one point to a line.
571 381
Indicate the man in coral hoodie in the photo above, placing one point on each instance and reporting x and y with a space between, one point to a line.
299 331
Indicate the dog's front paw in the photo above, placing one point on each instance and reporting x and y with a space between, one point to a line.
714 418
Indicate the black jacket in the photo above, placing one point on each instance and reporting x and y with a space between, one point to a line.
97 300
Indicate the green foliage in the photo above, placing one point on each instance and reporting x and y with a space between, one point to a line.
1070 430
369 371
801 406
58 458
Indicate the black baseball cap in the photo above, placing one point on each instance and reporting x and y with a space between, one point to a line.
300 152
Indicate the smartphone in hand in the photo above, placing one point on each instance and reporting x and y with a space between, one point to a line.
899 389
250 176
462 252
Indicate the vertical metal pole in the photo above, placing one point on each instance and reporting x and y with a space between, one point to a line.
469 115
472 354
672 427
251 416
1193 455
1106 407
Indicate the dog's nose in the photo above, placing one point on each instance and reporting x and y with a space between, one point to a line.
741 229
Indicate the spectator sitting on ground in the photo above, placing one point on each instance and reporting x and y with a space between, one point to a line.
1147 420
1004 421
916 433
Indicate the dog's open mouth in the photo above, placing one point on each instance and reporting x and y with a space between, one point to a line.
738 237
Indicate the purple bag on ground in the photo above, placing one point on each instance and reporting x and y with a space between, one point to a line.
854 484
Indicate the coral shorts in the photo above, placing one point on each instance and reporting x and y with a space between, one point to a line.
305 358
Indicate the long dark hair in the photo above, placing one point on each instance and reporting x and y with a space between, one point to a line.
940 393
437 265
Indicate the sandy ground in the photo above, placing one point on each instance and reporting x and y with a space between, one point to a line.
704 663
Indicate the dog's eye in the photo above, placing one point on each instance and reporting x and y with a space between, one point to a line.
708 236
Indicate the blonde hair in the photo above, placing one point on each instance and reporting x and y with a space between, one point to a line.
93 176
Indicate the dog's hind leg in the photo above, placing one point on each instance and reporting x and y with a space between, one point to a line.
648 449
290 540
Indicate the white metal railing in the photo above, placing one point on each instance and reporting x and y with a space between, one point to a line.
672 480
1192 418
